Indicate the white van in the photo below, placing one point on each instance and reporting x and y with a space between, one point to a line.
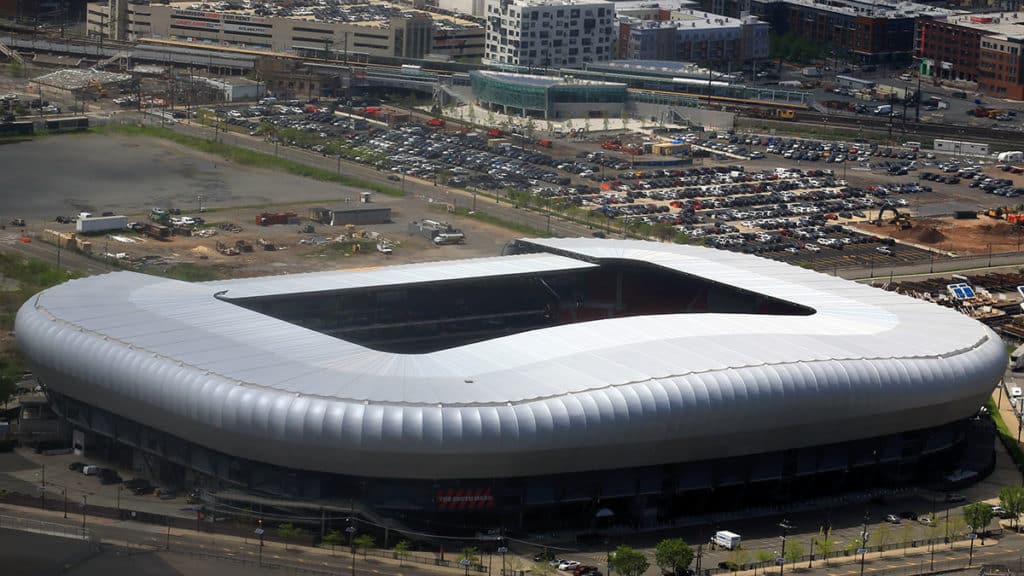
1011 157
726 539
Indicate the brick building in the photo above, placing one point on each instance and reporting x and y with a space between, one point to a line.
983 48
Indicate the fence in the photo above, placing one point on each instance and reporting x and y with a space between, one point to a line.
48 528
921 550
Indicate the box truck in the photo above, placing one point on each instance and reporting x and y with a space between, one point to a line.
726 539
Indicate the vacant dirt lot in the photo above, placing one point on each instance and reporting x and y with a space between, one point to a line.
42 179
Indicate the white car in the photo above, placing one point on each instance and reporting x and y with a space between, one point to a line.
566 565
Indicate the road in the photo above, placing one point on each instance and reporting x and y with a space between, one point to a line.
138 537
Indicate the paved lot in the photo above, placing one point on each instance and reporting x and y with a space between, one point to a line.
50 176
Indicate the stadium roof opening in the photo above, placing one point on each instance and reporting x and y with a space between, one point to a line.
416 317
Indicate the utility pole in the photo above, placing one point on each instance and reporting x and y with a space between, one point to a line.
864 543
786 526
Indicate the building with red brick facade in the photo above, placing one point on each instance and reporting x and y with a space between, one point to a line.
983 48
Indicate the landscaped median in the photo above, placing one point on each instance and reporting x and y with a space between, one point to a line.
1005 435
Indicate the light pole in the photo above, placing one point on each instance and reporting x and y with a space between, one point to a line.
65 502
503 550
84 504
786 526
118 500
352 530
864 543
259 532
42 488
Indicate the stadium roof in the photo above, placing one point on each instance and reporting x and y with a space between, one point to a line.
183 358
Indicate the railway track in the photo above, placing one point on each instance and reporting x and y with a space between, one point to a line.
907 128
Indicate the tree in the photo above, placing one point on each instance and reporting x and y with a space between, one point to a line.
793 552
673 555
332 539
401 551
955 526
471 553
763 557
852 545
737 558
364 542
906 536
825 543
287 531
629 562
883 536
977 516
1012 498
541 568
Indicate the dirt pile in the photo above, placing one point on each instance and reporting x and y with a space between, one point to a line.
929 235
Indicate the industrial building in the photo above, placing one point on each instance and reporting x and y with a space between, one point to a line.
549 33
378 29
984 48
568 376
548 97
676 31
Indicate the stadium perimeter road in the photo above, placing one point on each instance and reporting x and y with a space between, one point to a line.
136 548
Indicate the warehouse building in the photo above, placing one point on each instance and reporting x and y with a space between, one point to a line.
568 376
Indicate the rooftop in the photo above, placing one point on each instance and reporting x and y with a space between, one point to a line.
76 79
1001 24
880 9
545 81
658 67
379 13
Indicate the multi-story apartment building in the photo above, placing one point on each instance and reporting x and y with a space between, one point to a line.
857 30
380 29
549 33
676 32
983 48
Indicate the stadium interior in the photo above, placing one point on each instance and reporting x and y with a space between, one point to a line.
423 318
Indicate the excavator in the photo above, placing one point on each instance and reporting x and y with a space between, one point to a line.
899 219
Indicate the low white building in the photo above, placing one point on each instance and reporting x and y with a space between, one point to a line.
236 88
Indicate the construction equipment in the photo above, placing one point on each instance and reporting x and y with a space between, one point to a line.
902 220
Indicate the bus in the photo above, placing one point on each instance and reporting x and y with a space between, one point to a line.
855 83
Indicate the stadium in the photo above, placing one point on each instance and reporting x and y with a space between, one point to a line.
534 389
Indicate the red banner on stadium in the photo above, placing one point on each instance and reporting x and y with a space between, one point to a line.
464 499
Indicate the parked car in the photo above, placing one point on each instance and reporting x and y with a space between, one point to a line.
76 466
108 476
545 556
566 565
892 519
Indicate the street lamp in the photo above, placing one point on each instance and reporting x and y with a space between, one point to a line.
864 543
352 530
84 503
786 527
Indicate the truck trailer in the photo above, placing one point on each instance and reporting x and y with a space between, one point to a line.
101 224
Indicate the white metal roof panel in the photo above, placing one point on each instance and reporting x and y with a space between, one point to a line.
179 358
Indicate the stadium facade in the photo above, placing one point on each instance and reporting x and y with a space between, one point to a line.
566 376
